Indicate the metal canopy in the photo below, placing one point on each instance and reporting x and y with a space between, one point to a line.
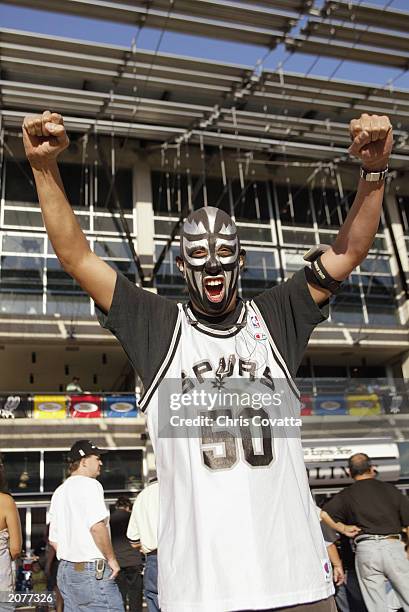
366 14
306 145
231 20
80 78
357 35
358 53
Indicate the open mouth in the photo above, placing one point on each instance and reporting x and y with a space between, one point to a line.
214 288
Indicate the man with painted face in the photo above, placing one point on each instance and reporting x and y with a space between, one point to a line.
238 530
210 257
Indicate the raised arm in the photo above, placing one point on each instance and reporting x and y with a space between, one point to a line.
372 143
44 139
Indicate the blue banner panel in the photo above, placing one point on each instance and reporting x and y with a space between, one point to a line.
120 406
330 405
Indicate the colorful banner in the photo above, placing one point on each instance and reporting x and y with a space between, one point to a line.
306 405
85 406
325 405
363 405
120 406
15 406
50 406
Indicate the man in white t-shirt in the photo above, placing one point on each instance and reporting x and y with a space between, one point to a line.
143 533
80 535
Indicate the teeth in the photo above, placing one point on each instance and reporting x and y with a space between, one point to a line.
213 283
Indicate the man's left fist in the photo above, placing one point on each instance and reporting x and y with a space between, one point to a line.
372 141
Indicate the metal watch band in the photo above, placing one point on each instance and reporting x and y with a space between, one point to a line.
373 176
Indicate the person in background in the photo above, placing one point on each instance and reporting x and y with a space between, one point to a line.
143 534
51 569
10 538
129 579
39 583
80 535
382 512
74 386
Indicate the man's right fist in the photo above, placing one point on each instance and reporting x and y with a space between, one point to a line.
44 138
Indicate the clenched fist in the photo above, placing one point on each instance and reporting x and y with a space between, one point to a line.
44 138
372 141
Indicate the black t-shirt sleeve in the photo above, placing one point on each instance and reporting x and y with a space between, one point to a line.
291 315
143 322
337 509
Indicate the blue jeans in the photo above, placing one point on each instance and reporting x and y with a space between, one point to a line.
150 583
81 591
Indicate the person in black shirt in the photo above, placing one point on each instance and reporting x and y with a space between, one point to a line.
129 579
382 513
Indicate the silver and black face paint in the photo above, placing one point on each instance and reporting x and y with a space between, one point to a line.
210 249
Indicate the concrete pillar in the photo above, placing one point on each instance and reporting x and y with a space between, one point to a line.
143 217
399 237
405 366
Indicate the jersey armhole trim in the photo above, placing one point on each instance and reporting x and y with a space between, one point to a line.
277 355
147 395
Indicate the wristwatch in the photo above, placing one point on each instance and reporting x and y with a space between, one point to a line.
373 176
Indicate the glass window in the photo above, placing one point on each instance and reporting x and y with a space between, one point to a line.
127 268
39 534
123 188
111 224
64 295
251 203
122 470
293 262
169 280
218 194
23 218
109 249
23 244
55 469
294 205
23 471
23 274
165 228
19 303
328 211
347 306
376 264
19 182
403 203
380 299
299 237
73 177
252 233
169 192
260 272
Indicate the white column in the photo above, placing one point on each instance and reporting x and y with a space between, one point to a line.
143 217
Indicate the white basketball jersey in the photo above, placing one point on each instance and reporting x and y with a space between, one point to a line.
238 529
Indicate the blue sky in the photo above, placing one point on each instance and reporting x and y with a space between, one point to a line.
119 34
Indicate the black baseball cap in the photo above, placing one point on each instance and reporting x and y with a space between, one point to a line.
84 448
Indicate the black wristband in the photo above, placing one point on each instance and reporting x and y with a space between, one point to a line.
324 279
